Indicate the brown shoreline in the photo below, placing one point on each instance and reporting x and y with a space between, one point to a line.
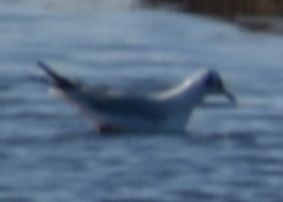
224 7
256 15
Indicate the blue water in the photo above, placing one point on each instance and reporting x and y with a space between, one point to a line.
48 152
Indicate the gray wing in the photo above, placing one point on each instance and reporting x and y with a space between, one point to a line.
102 99
127 105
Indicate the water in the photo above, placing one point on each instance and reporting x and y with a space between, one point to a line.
49 153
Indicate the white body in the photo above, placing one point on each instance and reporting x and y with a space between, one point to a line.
177 103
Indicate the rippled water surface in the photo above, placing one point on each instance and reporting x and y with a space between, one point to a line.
49 153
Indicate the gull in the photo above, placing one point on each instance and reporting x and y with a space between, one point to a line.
115 111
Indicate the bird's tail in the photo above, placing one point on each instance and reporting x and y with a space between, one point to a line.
56 79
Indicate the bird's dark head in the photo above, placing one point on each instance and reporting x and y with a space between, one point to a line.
215 85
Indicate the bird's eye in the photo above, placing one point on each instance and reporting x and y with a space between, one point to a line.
209 81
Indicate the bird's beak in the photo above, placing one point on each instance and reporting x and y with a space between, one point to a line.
230 97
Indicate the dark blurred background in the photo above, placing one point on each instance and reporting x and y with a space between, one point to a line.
259 15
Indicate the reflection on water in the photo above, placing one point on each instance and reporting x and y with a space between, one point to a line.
49 153
63 6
